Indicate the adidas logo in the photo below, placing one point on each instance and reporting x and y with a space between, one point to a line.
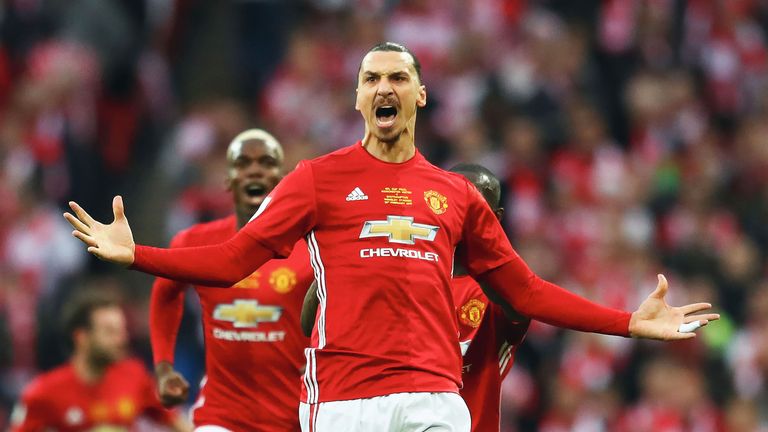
357 195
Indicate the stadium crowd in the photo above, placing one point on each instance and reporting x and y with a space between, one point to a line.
631 136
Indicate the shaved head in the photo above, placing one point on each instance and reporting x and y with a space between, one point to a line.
484 181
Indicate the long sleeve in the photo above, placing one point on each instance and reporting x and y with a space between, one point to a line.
166 307
286 215
221 265
536 298
490 257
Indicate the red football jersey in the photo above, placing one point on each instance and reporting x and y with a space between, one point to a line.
253 340
59 400
488 342
382 238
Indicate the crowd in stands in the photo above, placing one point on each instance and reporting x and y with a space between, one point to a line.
631 138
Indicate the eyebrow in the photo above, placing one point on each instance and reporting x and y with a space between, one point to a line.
392 73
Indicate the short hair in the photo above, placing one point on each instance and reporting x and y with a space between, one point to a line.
78 311
254 135
394 47
483 179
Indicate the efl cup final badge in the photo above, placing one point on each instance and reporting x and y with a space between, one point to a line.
436 201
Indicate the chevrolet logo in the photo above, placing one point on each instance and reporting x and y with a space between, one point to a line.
247 313
399 229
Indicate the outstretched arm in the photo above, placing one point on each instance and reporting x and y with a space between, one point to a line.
545 301
286 215
222 265
309 310
489 256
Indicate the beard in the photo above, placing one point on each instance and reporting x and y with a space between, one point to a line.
101 358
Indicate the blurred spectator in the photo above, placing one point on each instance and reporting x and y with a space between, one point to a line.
630 135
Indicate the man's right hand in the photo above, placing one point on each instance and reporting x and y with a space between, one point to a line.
172 388
113 242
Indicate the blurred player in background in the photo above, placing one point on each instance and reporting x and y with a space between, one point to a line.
99 389
489 334
383 224
253 343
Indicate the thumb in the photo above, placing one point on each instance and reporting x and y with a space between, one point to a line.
117 208
661 288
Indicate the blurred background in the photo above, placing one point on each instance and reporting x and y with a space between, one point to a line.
631 138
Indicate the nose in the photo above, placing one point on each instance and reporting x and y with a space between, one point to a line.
254 169
385 88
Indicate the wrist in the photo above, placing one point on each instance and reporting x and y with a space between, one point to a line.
164 367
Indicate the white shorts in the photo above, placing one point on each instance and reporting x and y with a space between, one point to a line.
399 412
211 428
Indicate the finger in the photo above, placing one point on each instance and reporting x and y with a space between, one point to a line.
689 327
117 207
702 317
682 336
661 288
82 214
85 238
77 224
693 308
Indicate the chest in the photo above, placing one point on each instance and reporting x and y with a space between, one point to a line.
116 405
402 208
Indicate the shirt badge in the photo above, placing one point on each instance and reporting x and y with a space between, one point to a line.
283 280
472 313
436 201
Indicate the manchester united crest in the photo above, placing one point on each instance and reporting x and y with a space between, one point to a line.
472 313
436 201
283 280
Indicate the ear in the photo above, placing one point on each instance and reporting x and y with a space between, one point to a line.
421 101
499 213
357 93
79 337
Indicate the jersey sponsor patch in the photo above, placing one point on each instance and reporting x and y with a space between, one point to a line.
399 252
436 201
399 229
472 313
247 313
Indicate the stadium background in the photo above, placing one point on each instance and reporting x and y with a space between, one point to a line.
630 136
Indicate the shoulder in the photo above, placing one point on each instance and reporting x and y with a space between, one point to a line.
333 157
329 163
130 366
465 288
49 383
202 233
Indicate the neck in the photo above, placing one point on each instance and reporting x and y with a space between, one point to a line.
398 151
242 219
85 370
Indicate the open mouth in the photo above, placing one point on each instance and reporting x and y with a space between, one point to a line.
385 116
255 190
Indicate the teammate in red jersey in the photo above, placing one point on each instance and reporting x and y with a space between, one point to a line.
382 226
98 388
489 334
253 345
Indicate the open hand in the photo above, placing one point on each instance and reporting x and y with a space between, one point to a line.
113 242
655 319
